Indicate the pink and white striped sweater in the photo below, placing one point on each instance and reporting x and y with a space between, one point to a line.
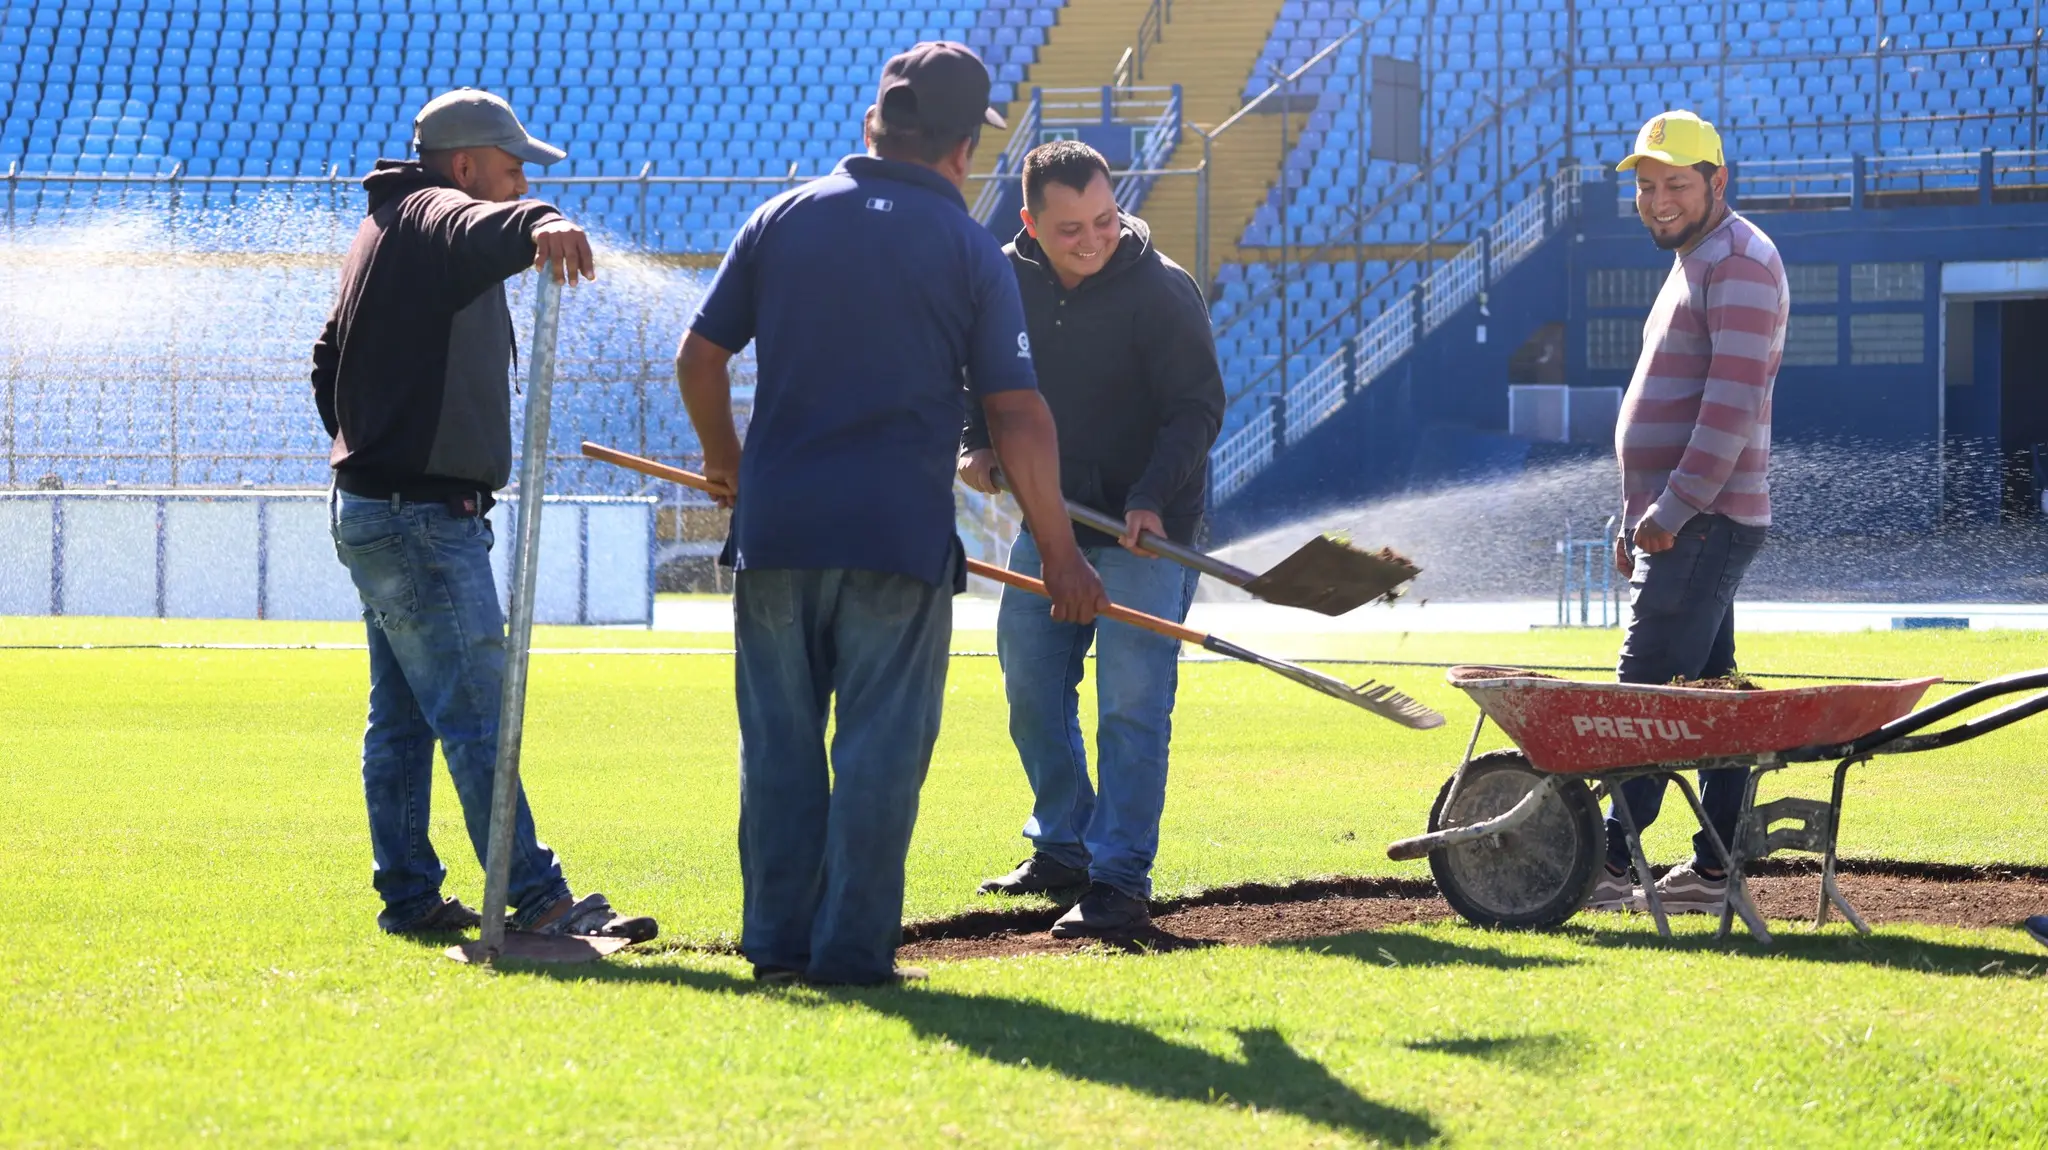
1694 435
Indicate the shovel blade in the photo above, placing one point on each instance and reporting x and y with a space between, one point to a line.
1332 578
525 946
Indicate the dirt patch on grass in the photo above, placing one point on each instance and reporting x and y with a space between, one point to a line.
1253 915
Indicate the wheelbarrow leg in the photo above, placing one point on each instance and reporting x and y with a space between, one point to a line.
1738 900
1635 851
1830 890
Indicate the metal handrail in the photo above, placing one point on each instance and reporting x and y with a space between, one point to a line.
1151 30
1393 273
1159 144
1023 137
1388 201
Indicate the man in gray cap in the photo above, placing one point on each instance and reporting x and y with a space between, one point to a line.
410 378
867 294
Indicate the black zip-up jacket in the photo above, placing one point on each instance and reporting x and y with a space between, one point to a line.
411 372
1127 362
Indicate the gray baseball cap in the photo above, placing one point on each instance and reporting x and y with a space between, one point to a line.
472 118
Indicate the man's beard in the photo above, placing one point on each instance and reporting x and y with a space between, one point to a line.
1683 237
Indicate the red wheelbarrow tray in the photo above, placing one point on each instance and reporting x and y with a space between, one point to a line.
1570 727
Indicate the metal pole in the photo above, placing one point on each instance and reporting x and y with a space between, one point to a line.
1571 81
540 386
1286 247
1202 214
1428 141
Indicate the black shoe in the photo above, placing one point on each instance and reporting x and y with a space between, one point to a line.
1104 912
450 917
1038 875
777 975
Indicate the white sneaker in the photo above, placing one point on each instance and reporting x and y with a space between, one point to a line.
1685 891
1613 892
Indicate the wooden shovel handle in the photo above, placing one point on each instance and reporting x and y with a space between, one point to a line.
1003 575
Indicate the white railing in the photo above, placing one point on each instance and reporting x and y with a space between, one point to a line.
1234 461
1326 388
1023 137
1515 235
1159 144
1452 286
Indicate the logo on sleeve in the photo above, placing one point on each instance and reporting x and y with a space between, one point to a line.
879 204
1023 345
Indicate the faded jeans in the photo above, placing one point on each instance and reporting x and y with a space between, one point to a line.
437 666
823 841
1682 625
1114 833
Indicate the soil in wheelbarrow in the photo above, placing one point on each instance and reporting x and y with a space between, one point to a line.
1255 914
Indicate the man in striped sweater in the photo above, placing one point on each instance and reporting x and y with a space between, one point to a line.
1694 439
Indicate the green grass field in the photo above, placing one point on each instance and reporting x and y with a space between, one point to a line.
191 955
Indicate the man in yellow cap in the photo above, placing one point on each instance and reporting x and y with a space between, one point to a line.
1694 440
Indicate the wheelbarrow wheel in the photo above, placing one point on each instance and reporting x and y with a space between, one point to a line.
1535 875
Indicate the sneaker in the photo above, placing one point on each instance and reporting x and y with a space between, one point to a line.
777 976
1684 890
2037 927
592 917
450 917
1613 892
1039 874
1104 912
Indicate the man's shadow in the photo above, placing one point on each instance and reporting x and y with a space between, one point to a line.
1836 945
1271 1076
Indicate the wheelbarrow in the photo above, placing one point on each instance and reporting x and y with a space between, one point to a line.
1516 838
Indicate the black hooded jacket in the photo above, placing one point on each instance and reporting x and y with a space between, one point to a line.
1127 362
411 372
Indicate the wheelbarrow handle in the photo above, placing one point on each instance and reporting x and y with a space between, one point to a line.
650 467
1110 525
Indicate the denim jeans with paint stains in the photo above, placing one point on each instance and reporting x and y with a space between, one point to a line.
437 666
1682 625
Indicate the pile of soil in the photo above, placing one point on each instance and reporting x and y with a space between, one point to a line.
1729 682
1254 915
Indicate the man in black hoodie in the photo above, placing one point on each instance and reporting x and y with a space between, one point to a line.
409 376
1121 339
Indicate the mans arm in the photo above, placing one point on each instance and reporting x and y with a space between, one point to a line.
326 365
1021 428
722 329
488 243
702 372
1742 323
1187 390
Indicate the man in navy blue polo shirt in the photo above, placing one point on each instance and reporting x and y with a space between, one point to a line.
868 293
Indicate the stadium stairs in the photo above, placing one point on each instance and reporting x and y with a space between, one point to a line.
1211 49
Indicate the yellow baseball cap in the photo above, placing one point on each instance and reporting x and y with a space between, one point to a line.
1678 138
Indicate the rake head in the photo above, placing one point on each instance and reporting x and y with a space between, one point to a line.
1388 703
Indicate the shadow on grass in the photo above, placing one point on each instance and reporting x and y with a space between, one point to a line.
1880 950
1534 1053
1272 1075
1399 949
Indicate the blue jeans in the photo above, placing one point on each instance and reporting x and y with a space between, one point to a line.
437 665
1682 625
1116 834
822 845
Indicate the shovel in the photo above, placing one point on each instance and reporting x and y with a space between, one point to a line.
1380 699
1324 575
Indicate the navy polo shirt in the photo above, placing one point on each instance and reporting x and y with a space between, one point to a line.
868 293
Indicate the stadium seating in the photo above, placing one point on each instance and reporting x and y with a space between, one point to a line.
722 100
731 88
1635 62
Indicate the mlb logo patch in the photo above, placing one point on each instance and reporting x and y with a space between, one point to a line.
879 204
